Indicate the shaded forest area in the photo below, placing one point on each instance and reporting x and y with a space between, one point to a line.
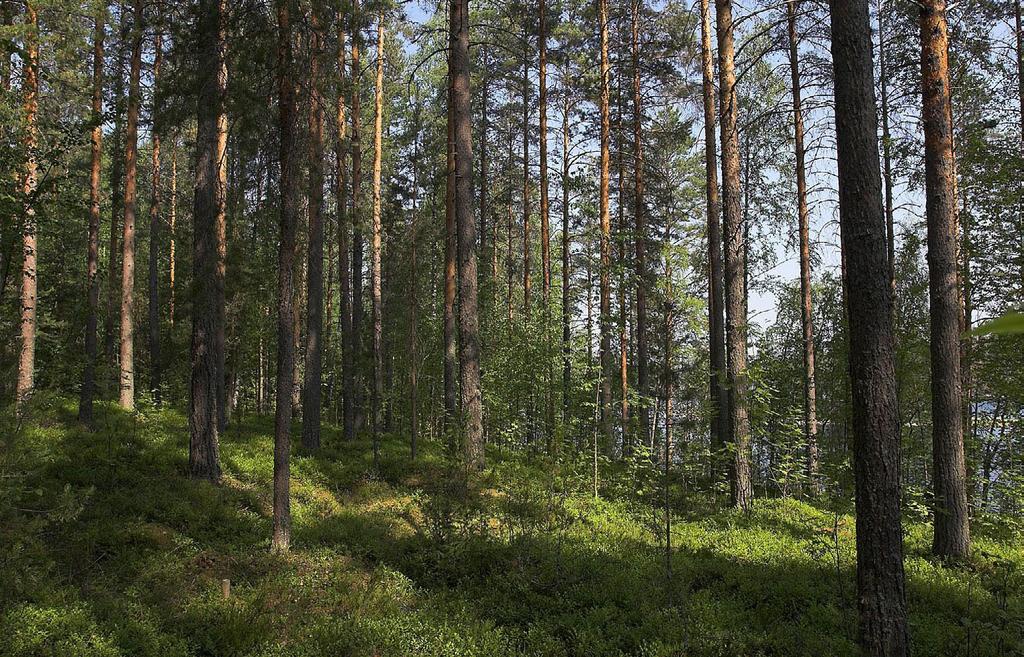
526 327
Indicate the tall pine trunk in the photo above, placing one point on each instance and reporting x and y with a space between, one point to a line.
88 392
341 198
876 440
469 337
131 171
607 367
313 373
172 221
451 354
358 412
289 220
116 200
154 232
413 297
527 281
375 250
566 271
952 535
735 265
716 303
29 283
209 209
803 214
640 227
7 236
545 220
890 213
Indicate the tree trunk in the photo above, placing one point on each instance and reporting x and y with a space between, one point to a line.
451 354
510 272
640 227
880 576
7 232
545 227
131 170
621 266
357 224
289 219
527 282
607 368
485 102
210 199
29 283
344 271
1019 30
172 221
566 272
375 251
952 536
313 381
413 298
469 338
716 302
890 216
735 265
85 410
545 219
116 200
154 231
806 317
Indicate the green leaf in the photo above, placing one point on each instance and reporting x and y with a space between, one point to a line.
1008 324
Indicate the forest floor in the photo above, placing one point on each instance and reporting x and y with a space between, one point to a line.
107 548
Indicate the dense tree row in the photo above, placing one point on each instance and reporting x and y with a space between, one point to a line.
669 177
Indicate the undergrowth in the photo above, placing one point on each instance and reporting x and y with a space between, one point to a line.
108 549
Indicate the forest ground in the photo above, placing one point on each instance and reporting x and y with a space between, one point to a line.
107 548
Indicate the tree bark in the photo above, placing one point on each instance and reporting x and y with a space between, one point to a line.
116 200
880 577
7 236
735 265
890 215
1019 30
566 271
375 251
716 302
29 283
545 226
952 535
210 201
622 267
640 228
172 222
803 214
545 220
607 368
313 373
344 269
131 170
485 102
154 230
469 338
88 392
413 298
527 281
451 354
357 224
289 219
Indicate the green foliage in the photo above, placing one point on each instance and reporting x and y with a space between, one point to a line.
1008 324
115 553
